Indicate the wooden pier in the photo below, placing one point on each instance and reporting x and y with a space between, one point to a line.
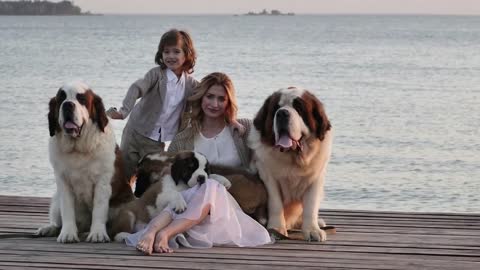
364 240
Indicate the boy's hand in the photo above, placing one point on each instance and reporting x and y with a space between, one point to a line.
113 113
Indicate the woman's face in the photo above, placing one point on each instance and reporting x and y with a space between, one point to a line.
214 102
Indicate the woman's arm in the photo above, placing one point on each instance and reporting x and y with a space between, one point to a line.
182 141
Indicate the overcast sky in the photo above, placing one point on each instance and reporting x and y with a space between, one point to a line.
298 6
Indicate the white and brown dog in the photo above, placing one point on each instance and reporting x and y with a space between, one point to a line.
292 143
160 179
87 166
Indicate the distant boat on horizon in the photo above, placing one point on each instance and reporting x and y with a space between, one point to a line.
273 12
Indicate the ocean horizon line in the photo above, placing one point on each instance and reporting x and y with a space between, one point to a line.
246 15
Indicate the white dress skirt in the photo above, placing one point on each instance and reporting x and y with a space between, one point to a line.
226 224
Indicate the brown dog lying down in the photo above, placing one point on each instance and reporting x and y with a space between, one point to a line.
167 175
154 188
247 189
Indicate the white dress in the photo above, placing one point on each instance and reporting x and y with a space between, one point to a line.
226 224
219 149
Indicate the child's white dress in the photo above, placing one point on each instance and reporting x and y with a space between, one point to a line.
226 224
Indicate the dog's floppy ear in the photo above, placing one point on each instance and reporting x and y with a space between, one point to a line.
52 116
142 183
177 169
100 117
263 121
259 121
323 124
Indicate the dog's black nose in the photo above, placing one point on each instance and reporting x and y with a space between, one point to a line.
68 106
201 179
283 114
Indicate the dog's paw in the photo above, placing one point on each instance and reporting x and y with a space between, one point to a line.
222 180
120 237
179 205
321 222
98 234
314 233
68 234
48 231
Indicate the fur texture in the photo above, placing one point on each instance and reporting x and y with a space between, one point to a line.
292 143
87 166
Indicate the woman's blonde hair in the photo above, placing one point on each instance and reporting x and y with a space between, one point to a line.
215 78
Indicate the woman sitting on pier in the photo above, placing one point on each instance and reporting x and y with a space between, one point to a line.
213 217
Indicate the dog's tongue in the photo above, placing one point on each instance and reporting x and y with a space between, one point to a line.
285 141
70 125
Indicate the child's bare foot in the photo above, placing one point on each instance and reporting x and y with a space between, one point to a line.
145 244
161 243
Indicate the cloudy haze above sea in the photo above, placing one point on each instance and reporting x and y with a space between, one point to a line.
454 7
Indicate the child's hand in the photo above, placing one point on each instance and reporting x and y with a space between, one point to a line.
113 113
241 129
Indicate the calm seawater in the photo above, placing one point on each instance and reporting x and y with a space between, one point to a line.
403 93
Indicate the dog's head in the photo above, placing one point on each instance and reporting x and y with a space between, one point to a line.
74 107
186 168
190 168
290 115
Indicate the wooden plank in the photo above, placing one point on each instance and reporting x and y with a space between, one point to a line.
364 240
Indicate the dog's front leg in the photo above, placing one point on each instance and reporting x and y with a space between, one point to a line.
98 230
221 179
311 204
177 202
52 229
69 232
276 215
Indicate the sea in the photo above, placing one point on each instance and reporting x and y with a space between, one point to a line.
402 92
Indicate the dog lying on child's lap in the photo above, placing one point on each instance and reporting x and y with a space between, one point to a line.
160 179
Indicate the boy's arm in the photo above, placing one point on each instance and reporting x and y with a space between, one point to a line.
137 90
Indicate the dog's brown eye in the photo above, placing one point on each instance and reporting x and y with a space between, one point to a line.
82 99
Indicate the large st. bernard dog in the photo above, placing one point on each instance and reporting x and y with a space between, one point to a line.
292 142
87 166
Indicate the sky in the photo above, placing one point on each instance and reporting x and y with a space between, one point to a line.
459 7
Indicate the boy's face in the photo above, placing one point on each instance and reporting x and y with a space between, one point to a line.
174 58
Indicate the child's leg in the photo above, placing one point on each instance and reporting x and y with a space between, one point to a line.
175 227
129 152
145 244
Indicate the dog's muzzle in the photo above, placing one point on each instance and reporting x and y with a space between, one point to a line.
201 179
69 125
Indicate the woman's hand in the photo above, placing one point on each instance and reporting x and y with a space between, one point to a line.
241 129
113 113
